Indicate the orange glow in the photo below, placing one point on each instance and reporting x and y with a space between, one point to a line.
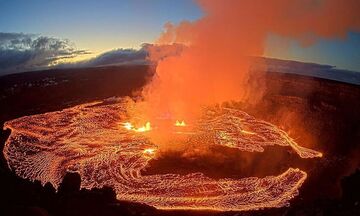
180 123
86 139
214 65
144 128
149 151
247 132
129 126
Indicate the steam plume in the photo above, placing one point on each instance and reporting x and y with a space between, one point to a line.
215 65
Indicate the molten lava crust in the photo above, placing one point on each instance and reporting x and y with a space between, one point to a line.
91 139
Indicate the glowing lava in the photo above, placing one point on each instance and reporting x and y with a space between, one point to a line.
180 123
129 126
87 139
149 151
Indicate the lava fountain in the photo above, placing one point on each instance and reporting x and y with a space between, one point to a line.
97 141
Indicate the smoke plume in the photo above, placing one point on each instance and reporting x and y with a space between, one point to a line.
214 66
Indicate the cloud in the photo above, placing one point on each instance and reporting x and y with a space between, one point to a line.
113 57
22 52
130 56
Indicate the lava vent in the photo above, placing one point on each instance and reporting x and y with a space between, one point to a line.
91 139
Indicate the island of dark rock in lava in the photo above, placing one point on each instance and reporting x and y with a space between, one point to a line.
96 141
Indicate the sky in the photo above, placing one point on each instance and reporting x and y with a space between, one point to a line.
344 53
95 25
100 26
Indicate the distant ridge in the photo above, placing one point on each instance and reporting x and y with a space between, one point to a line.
259 64
306 69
